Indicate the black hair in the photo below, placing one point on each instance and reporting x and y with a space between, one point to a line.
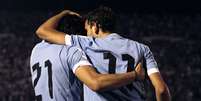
104 17
72 24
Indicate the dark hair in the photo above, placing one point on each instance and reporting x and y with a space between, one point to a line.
104 17
72 24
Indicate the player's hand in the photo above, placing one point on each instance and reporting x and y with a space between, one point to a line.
70 13
140 71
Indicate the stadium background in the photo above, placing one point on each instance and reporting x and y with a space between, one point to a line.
170 28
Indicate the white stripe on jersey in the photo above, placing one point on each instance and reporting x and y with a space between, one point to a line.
81 63
152 70
68 40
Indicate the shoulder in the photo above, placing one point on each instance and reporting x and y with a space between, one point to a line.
81 36
38 45
137 43
73 50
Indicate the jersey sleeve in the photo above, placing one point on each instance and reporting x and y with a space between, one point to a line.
78 41
77 58
150 62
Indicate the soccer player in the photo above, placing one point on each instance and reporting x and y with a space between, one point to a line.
53 68
110 53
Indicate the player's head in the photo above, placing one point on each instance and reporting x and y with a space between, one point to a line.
72 24
101 19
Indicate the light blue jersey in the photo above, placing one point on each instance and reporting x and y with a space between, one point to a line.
115 54
52 69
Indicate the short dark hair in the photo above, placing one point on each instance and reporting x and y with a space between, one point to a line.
72 24
104 17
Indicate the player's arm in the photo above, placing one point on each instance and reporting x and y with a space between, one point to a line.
47 31
99 82
77 61
161 89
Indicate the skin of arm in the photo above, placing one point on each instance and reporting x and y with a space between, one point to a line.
161 89
100 82
47 31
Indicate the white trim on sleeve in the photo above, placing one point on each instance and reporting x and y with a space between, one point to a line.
152 70
68 40
81 63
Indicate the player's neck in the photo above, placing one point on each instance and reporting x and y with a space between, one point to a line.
103 34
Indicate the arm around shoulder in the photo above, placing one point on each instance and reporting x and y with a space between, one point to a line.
99 82
47 31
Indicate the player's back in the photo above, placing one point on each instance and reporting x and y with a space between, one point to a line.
52 78
114 54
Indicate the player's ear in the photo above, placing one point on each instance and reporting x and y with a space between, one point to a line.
95 28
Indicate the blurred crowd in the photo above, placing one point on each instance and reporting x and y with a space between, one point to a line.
173 38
